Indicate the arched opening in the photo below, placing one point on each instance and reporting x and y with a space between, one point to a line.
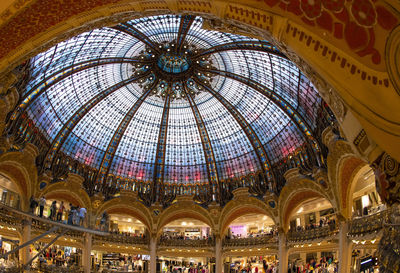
368 215
125 248
251 225
312 227
248 239
9 234
364 197
117 222
185 242
311 214
10 194
186 229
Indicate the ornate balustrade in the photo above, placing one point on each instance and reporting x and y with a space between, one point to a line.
9 220
313 234
186 243
121 239
251 241
59 269
367 224
43 227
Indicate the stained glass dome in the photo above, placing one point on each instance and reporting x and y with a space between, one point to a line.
162 98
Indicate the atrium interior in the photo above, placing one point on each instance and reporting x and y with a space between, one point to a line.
200 136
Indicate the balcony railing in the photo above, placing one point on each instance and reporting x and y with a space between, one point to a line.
186 243
40 226
313 234
251 241
9 220
121 239
367 224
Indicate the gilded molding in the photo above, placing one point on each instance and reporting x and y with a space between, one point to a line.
392 57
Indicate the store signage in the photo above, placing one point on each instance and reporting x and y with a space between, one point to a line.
192 230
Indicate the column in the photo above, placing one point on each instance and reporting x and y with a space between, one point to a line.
24 253
86 253
302 220
345 248
283 253
317 218
153 254
303 256
218 255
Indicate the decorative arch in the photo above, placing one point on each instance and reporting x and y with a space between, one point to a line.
70 191
184 209
332 43
296 192
20 168
349 170
243 204
342 166
128 206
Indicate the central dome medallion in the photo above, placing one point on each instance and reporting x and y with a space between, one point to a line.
174 70
173 63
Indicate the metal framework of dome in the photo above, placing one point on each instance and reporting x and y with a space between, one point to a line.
162 106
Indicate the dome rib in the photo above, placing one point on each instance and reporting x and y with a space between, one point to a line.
159 164
186 23
207 146
275 98
255 45
67 128
251 135
134 32
101 177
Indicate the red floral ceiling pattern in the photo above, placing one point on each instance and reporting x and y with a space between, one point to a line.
351 20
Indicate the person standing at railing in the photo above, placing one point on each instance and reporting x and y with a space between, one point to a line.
70 214
82 215
60 211
33 204
42 203
53 210
75 215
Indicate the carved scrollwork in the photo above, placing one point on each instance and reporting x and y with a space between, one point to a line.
387 178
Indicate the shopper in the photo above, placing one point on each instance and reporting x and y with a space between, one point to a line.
42 203
104 222
60 211
82 214
33 204
70 214
75 216
53 210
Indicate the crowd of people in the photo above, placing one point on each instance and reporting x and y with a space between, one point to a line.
325 265
124 263
182 236
323 222
71 215
187 269
56 257
260 233
254 266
